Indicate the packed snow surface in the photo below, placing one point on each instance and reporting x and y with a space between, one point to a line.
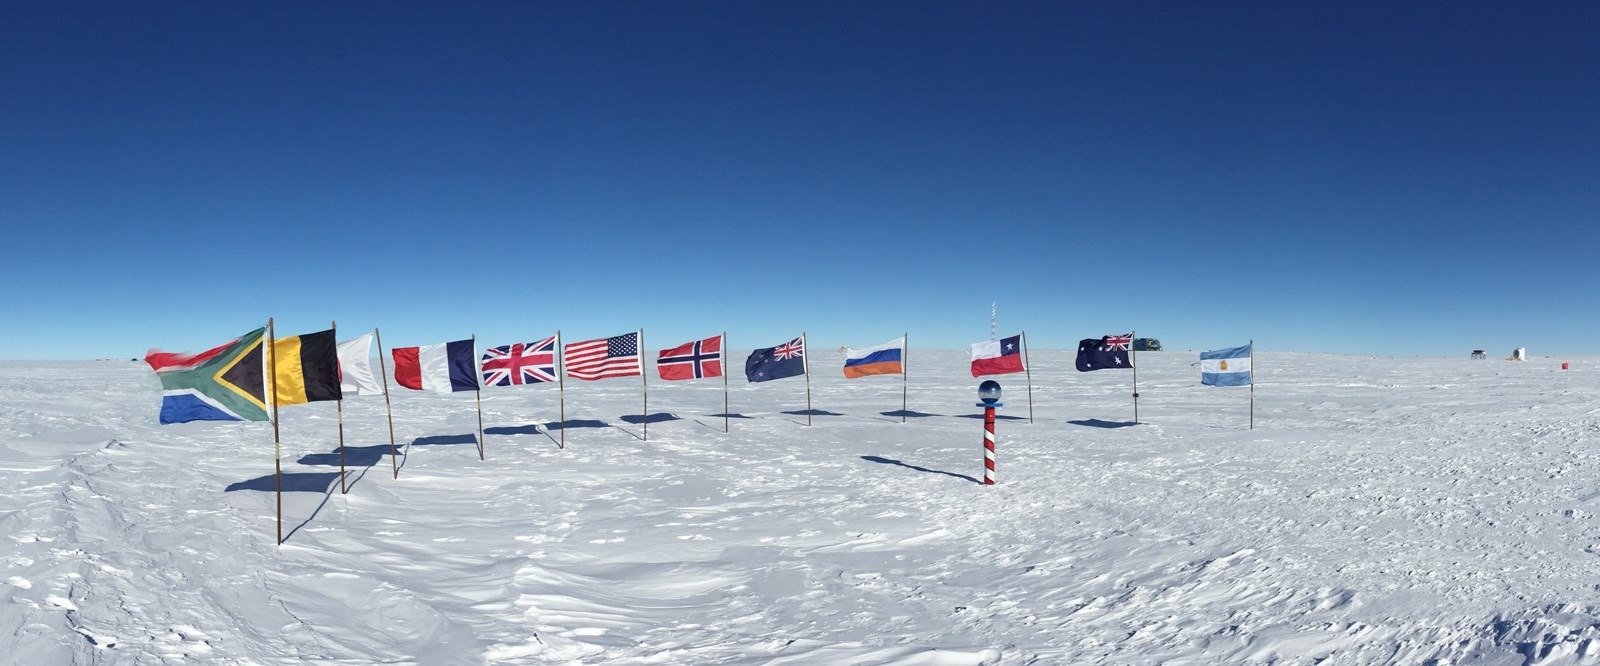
1383 510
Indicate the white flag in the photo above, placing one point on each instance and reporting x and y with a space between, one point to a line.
355 367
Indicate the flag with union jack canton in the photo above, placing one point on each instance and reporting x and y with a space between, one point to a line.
785 360
691 360
1107 352
520 363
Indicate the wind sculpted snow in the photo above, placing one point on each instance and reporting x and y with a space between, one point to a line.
1382 511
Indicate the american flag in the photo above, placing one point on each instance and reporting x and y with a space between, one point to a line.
521 363
1118 342
605 357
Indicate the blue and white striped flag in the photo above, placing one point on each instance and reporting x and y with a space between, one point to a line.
1226 367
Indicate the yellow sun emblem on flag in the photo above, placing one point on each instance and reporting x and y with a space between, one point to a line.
1224 365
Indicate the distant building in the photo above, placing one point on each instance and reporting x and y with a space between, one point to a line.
1146 344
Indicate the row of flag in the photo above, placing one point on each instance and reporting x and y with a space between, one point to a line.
229 382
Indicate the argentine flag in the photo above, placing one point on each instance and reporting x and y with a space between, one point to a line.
1226 367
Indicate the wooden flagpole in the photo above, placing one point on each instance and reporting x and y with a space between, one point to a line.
1134 361
724 348
905 368
1252 384
644 380
1028 368
805 364
561 380
477 389
272 394
387 408
334 326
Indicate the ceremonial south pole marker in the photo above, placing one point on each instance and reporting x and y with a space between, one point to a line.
989 394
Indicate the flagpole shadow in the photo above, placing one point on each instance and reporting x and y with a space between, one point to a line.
891 461
363 457
294 482
908 413
311 517
405 456
808 412
530 429
1097 423
442 440
552 426
718 416
658 417
351 481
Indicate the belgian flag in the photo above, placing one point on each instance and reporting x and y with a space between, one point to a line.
306 368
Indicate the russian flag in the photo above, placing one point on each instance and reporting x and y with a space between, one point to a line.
441 368
884 359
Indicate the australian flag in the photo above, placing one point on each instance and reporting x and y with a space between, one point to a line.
1108 352
785 360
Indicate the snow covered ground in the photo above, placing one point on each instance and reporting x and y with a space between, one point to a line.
1382 511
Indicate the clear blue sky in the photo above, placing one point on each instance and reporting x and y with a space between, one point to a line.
1381 178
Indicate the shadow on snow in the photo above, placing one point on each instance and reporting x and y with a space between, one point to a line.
1097 423
909 413
658 417
813 412
293 482
440 440
354 456
891 461
575 423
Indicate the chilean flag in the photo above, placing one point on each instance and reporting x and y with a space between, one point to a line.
997 357
441 368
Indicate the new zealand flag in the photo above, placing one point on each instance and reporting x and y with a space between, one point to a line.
1108 352
785 360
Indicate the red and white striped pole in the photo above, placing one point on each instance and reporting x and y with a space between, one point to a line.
988 446
989 394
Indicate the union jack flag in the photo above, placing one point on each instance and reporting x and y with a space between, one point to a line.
1118 342
789 350
521 363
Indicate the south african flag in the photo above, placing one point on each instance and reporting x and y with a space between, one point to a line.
222 384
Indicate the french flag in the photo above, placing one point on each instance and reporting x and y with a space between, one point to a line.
441 368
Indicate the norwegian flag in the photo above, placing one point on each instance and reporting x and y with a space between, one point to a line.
1118 342
616 356
520 363
691 360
